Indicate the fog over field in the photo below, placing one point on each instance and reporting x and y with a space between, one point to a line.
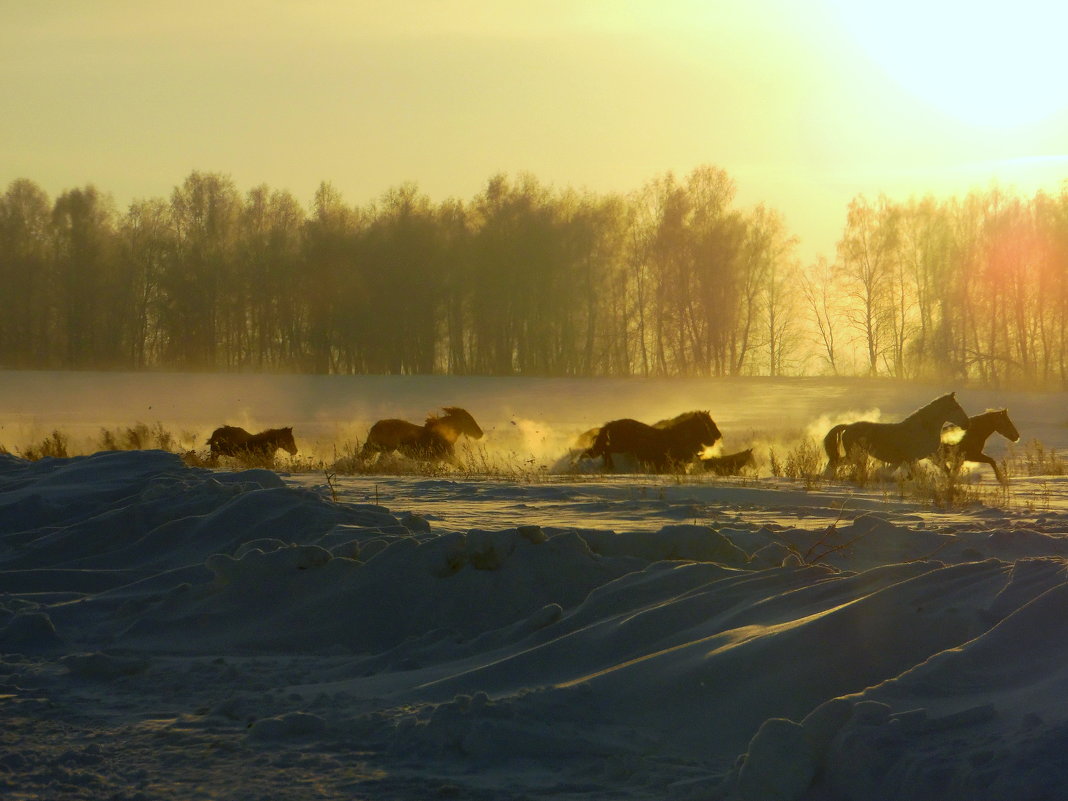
527 417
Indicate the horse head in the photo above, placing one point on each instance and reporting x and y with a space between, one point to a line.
1004 426
711 429
693 429
461 420
701 426
286 441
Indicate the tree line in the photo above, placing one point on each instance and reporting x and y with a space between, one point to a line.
672 279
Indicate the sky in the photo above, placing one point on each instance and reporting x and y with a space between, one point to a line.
806 104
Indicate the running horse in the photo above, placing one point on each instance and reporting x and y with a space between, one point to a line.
670 442
914 438
235 441
951 455
433 441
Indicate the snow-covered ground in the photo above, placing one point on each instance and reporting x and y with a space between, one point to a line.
174 632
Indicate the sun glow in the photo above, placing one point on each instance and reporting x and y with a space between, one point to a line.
988 64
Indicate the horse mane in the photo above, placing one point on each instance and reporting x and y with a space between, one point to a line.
932 406
680 418
450 411
457 419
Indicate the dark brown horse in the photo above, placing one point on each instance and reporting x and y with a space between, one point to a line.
433 441
916 437
234 441
730 464
586 439
677 441
951 455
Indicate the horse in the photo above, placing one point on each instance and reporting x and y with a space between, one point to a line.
730 464
585 440
970 447
914 438
234 441
675 441
433 441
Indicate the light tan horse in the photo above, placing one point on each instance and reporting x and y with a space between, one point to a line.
433 441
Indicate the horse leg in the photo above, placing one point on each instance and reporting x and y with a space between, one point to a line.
442 450
985 459
943 458
951 461
600 447
373 450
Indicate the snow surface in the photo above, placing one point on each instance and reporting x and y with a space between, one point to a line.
173 632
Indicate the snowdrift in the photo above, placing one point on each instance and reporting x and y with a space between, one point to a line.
164 628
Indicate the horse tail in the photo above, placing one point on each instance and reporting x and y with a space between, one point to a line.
832 443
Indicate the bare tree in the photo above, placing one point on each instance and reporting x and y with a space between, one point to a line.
332 294
204 304
819 289
147 246
88 287
867 254
26 300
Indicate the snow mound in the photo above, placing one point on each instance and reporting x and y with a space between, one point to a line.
186 611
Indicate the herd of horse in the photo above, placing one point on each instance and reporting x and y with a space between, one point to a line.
675 443
435 440
919 436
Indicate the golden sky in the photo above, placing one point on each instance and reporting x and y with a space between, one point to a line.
805 103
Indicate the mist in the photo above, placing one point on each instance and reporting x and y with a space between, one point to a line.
526 419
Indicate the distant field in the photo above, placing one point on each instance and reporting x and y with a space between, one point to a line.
535 417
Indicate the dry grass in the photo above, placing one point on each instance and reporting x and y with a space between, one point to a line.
803 463
941 489
141 436
1034 459
55 445
471 461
